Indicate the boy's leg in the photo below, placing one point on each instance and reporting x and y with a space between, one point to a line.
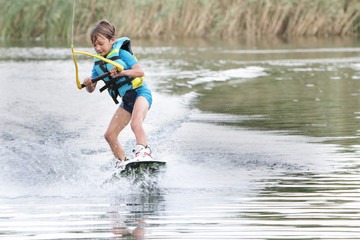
118 122
140 110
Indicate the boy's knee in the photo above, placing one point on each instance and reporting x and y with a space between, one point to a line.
109 137
135 125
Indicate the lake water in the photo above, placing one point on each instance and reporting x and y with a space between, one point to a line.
261 140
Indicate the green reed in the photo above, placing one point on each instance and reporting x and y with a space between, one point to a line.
51 19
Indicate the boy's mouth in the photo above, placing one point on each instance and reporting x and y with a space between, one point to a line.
100 52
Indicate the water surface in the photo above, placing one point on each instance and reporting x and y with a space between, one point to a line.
261 140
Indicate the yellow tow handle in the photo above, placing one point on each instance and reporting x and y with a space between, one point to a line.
79 85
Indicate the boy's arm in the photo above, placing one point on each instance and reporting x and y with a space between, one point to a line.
90 86
129 59
135 71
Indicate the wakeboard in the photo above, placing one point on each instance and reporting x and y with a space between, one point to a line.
136 166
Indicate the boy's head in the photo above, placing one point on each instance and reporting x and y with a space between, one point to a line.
103 37
103 28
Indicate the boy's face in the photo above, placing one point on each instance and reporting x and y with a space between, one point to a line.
102 45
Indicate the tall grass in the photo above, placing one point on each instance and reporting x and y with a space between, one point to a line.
51 19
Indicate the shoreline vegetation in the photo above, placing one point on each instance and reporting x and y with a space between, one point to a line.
51 20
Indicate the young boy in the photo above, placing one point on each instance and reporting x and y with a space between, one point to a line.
128 84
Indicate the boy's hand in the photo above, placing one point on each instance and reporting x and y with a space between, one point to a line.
90 86
87 81
114 72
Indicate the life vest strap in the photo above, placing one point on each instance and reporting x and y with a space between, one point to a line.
112 85
102 62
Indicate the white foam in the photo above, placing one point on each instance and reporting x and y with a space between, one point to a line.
225 75
355 66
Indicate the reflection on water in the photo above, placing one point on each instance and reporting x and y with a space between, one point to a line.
313 92
316 100
261 140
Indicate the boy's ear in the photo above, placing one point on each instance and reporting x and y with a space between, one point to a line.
112 40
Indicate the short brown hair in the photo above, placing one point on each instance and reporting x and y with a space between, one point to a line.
102 28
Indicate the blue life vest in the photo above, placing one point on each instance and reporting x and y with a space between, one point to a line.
117 86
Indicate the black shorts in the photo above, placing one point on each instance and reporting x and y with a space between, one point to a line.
128 100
